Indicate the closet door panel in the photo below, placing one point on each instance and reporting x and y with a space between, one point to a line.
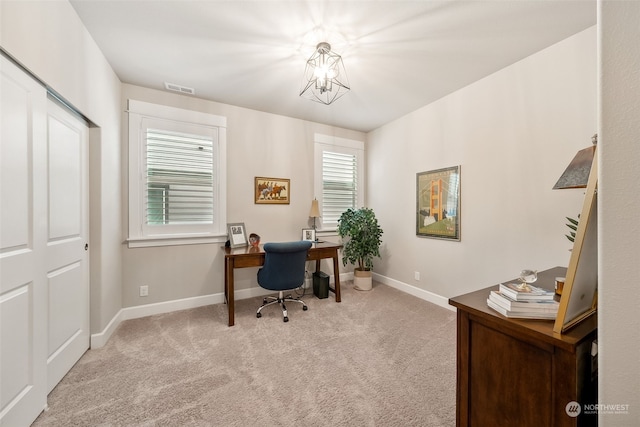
23 192
67 241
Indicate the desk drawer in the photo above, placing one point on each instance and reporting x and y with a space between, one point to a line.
249 261
321 253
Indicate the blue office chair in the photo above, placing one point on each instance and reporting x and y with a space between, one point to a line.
283 270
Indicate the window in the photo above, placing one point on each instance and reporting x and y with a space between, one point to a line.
177 169
338 177
179 187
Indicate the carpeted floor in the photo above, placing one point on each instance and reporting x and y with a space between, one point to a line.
378 358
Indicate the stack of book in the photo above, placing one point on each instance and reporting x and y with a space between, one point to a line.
511 300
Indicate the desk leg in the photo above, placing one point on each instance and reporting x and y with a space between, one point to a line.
226 280
336 275
228 289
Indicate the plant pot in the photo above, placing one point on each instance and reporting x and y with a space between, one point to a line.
362 280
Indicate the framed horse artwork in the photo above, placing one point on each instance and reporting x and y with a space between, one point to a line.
269 191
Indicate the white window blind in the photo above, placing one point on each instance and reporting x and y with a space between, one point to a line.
339 184
179 181
338 177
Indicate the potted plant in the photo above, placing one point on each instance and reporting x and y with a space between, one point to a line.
363 232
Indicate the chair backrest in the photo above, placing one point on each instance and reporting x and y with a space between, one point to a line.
284 265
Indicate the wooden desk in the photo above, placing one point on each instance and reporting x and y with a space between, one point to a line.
254 257
514 372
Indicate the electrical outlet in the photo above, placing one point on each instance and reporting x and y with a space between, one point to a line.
416 275
144 290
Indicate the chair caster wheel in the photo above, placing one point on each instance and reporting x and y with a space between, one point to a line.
258 315
305 308
286 319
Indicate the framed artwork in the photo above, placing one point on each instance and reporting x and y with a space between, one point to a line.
309 234
237 234
579 298
438 203
270 191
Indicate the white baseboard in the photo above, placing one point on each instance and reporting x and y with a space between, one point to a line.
343 277
416 292
100 339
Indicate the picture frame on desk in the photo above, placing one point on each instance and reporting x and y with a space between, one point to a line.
272 191
438 204
309 234
237 234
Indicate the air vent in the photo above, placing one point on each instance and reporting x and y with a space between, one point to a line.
177 88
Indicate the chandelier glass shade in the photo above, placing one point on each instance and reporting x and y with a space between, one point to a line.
325 78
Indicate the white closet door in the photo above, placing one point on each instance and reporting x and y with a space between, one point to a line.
67 241
23 212
44 271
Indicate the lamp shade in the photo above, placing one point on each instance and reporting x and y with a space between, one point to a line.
576 175
315 211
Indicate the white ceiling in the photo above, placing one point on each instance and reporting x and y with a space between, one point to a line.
399 55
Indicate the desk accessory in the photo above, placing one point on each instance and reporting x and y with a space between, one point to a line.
254 240
237 234
314 212
527 277
309 234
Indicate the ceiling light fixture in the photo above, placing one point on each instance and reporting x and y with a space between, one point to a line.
325 78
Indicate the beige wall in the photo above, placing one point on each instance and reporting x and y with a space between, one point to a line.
618 206
49 40
258 144
513 133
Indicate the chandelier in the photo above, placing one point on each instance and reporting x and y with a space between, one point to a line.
325 78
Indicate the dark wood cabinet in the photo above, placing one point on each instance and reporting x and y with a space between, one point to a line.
515 372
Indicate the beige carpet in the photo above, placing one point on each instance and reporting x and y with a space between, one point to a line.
378 358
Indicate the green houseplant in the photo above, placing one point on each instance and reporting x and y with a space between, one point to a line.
362 232
573 225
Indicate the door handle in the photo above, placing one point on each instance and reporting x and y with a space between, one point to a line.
86 246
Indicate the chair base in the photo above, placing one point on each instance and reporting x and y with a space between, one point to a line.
281 299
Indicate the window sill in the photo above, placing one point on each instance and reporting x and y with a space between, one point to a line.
147 242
